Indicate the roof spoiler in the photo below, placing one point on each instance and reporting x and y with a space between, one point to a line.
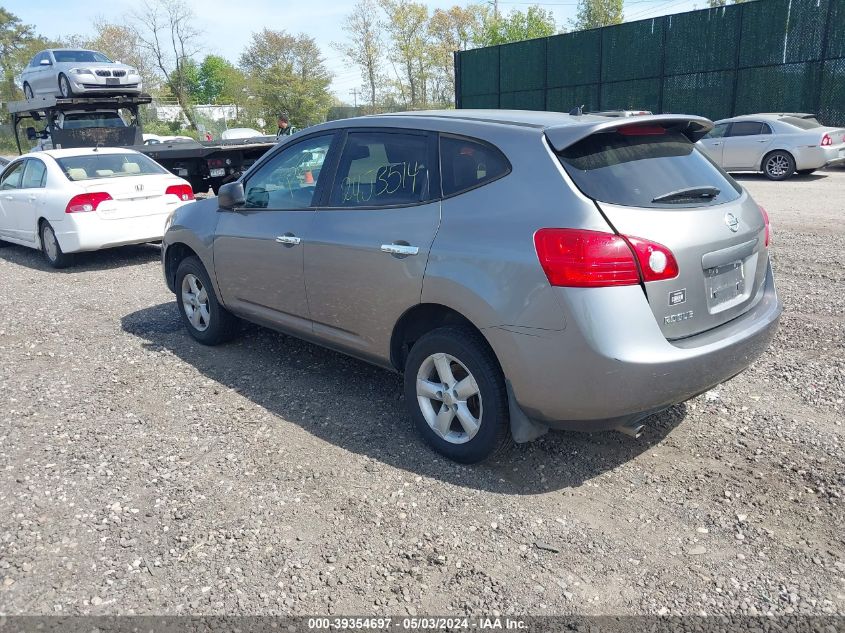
693 127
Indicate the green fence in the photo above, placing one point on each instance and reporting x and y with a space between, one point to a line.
763 56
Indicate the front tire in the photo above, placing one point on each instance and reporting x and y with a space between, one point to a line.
27 92
456 395
778 165
64 87
202 313
51 248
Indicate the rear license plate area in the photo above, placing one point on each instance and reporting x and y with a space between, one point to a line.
218 172
111 81
724 284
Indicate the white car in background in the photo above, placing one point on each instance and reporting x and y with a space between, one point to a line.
779 145
240 132
71 200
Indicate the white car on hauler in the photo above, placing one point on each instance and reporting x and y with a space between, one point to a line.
71 200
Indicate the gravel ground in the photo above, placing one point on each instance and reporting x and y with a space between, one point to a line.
143 473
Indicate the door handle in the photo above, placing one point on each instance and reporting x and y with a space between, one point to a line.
32 198
400 249
764 140
9 197
716 144
288 239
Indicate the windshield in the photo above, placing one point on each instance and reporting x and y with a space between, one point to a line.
92 119
804 124
90 166
640 170
80 56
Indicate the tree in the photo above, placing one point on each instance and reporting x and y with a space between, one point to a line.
516 26
720 3
407 25
287 74
164 31
595 13
451 30
16 41
218 81
363 46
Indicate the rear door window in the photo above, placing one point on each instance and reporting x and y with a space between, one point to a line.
634 169
746 128
381 169
466 164
34 174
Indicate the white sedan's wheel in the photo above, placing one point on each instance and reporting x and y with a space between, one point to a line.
51 248
64 87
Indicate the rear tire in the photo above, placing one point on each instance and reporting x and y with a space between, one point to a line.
27 92
64 87
778 165
202 313
456 395
51 248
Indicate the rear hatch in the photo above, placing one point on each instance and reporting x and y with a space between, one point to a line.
650 182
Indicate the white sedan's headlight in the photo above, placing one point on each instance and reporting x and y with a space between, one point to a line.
81 71
131 71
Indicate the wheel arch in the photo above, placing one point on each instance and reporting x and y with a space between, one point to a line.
175 254
772 151
418 321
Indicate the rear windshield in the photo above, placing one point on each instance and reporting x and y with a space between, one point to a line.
91 166
804 124
635 170
92 119
80 56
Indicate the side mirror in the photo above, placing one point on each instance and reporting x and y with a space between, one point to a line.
45 62
31 134
230 196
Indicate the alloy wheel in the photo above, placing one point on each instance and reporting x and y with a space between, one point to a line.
777 165
449 398
195 302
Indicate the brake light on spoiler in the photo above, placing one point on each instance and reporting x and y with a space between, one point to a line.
594 259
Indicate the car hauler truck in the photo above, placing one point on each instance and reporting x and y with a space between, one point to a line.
114 122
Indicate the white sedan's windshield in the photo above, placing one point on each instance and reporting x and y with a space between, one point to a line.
92 166
80 56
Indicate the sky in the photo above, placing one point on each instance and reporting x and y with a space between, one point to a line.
227 31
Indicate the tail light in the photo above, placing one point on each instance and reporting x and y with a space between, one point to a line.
768 227
183 192
593 259
826 141
86 202
214 163
656 261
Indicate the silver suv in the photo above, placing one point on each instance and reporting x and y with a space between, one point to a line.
525 270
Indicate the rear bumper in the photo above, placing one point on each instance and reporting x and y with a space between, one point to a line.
87 232
818 157
612 365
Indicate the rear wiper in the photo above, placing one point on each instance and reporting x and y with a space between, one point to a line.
690 193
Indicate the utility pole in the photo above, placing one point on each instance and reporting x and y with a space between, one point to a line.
354 92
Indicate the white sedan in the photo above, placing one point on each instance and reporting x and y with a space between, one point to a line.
71 200
779 145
